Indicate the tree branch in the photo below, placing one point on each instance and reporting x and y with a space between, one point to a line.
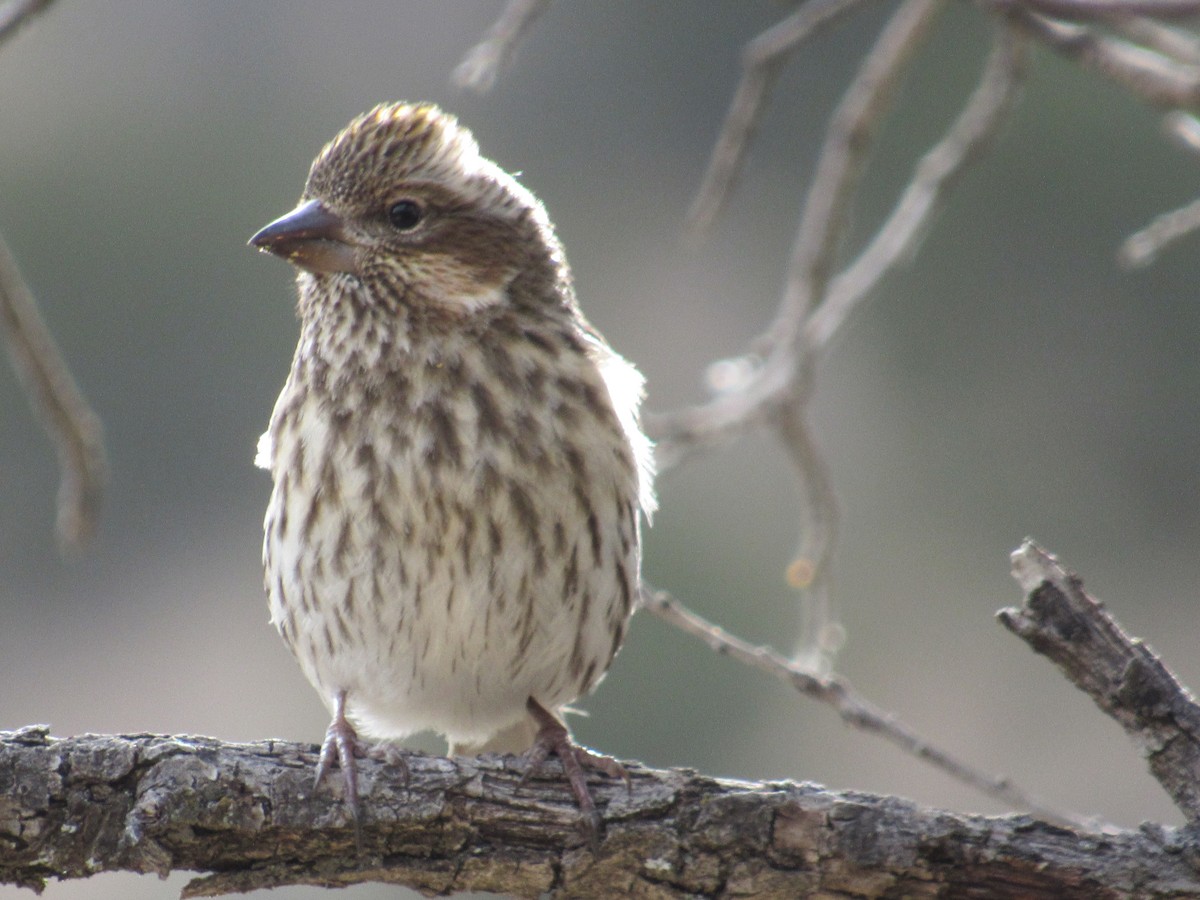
935 174
1121 674
762 61
854 709
72 425
815 307
482 64
1143 246
1156 77
246 813
822 226
16 13
1110 9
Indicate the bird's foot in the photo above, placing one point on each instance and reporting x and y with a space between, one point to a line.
553 738
340 747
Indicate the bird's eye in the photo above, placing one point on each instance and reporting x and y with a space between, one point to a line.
405 215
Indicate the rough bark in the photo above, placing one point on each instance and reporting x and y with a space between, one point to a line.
246 814
1122 674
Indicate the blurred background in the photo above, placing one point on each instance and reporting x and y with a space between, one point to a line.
1012 381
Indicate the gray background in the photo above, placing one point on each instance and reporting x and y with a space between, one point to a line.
1011 381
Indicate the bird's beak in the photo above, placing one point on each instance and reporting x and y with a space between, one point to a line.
311 237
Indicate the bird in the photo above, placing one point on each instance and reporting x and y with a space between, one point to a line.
453 539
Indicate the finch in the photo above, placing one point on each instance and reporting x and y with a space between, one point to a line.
453 539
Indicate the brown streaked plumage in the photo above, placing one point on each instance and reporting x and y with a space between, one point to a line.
452 542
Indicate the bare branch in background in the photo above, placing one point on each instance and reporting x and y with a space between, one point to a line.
1158 62
16 13
848 142
1152 75
809 573
1167 40
854 709
819 238
680 433
72 425
1104 10
936 173
1184 128
762 60
1142 247
483 62
778 391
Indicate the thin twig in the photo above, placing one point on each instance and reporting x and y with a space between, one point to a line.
1157 62
853 709
779 392
821 635
16 13
1143 246
762 60
72 425
1155 77
1102 10
936 173
70 422
1169 40
482 64
1184 128
822 226
848 142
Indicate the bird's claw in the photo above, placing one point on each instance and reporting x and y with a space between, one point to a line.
340 747
554 738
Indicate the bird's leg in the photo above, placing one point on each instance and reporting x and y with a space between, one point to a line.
341 743
553 737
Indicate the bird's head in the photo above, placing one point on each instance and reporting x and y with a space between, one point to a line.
402 201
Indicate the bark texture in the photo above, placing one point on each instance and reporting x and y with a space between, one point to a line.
247 817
